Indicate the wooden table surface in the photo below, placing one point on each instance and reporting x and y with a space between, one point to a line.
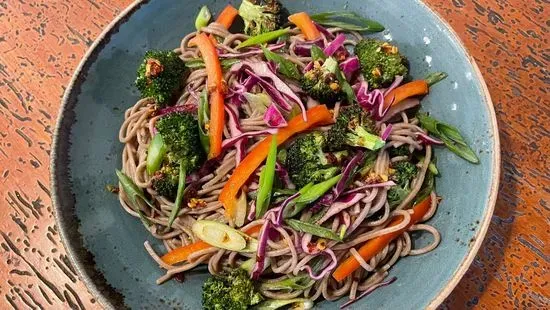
41 43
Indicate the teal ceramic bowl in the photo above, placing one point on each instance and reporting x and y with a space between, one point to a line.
106 245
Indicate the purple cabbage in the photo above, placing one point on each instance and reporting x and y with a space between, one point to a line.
260 253
227 143
384 136
373 100
350 66
335 45
273 117
327 269
342 203
282 173
304 48
428 139
271 83
324 31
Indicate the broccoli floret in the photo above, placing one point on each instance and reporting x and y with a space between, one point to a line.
232 290
321 82
354 127
160 76
306 162
165 181
403 173
380 62
180 133
260 16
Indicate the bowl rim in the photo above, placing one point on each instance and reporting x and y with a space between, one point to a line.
104 37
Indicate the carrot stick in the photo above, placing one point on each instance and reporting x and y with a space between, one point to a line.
217 123
211 62
414 88
181 254
216 88
308 28
315 116
227 16
374 246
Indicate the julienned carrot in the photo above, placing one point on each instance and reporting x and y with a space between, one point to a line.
216 88
306 25
182 253
217 123
374 246
414 88
211 62
315 116
227 16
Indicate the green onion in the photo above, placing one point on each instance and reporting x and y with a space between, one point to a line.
266 179
317 53
203 119
197 63
309 194
179 195
263 38
293 283
450 136
224 237
297 303
202 18
286 67
313 229
155 154
347 21
435 77
133 192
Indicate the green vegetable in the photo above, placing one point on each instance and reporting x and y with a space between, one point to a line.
160 76
203 18
403 150
380 62
198 63
179 195
322 82
260 16
346 87
232 290
450 136
133 192
298 303
317 53
347 21
368 164
267 175
204 118
435 77
432 166
309 195
259 101
224 237
355 128
313 229
306 162
180 132
300 282
427 187
155 154
263 38
286 67
404 173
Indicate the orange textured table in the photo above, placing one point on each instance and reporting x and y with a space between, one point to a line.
41 43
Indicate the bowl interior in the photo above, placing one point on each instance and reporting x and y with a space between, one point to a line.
97 230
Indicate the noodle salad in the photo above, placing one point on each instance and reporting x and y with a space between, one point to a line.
287 152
